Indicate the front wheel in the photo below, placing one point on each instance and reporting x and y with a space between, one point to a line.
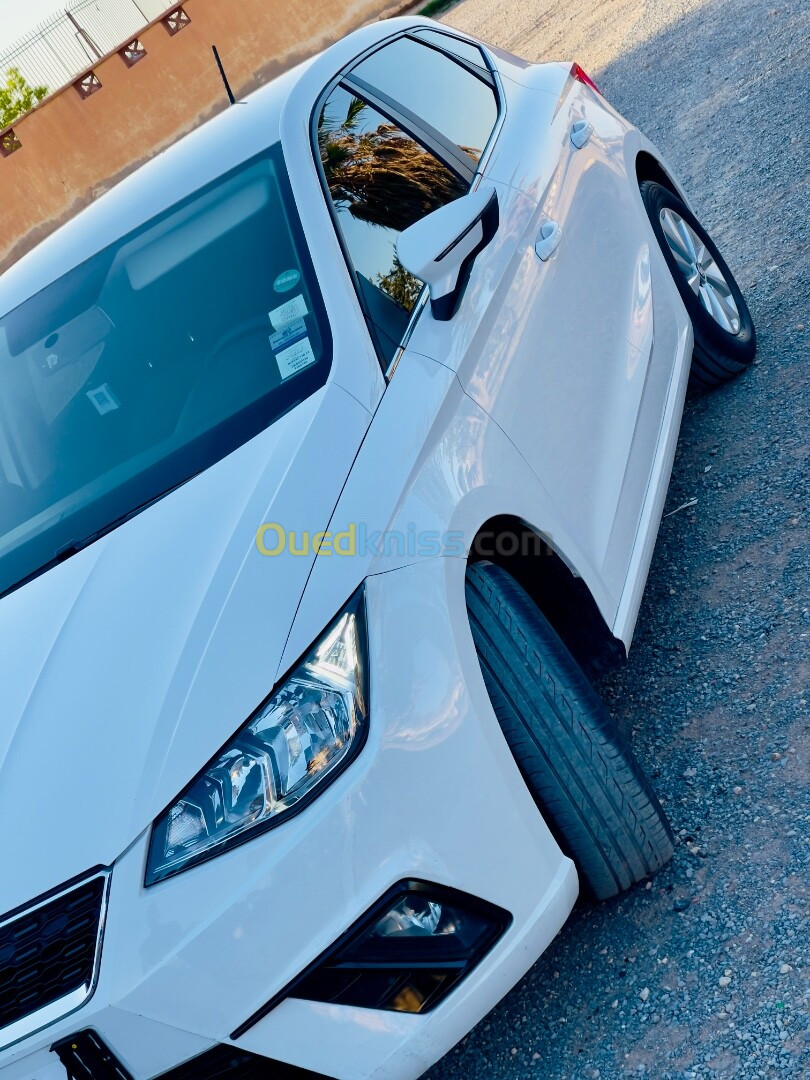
592 792
725 340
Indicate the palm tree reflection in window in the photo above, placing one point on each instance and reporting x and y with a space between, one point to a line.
382 176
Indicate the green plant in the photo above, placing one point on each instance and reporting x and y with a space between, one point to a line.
400 285
17 97
435 7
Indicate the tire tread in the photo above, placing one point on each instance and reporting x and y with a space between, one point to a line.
582 775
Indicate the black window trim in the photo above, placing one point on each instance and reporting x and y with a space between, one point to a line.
324 96
416 129
449 153
484 74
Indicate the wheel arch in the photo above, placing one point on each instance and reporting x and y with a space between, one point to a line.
561 595
649 167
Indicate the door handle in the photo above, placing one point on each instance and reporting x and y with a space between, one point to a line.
580 133
549 238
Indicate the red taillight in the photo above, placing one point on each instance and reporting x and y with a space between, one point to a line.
583 77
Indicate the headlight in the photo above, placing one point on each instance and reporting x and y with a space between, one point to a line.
292 747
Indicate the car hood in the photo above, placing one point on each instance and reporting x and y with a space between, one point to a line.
125 668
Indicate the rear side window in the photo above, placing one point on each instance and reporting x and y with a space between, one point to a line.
454 98
465 51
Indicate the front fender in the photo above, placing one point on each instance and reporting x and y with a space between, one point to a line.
434 467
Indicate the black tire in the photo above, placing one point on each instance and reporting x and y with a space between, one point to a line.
719 355
593 793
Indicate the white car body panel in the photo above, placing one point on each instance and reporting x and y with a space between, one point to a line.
567 358
431 456
554 396
181 587
433 740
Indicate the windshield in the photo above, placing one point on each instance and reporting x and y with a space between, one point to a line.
153 360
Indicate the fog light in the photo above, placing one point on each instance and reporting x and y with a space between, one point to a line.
406 954
413 916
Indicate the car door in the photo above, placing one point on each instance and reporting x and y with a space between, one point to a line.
555 341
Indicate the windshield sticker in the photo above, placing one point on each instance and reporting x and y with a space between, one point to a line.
286 313
295 359
288 333
103 399
286 281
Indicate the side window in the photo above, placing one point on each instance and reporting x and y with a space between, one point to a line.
380 180
454 97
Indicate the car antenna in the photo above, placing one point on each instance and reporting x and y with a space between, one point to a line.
228 90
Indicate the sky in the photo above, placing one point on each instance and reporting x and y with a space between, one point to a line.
17 16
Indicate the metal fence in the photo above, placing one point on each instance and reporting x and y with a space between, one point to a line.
72 40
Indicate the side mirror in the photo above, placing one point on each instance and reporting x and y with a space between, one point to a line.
441 248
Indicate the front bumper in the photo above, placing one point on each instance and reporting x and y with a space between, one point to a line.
434 794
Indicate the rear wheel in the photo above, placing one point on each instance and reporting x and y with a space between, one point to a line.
592 791
725 340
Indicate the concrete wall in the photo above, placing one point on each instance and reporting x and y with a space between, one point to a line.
73 148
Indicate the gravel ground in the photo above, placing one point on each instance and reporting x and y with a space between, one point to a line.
702 972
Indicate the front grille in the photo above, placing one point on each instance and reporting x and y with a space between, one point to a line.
48 957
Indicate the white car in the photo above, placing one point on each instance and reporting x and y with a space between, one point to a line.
333 444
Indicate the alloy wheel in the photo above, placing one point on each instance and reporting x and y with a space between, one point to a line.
698 266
